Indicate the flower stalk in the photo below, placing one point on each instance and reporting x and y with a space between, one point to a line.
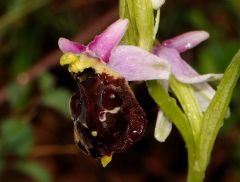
141 27
172 111
189 104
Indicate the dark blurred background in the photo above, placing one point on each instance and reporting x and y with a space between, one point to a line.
36 138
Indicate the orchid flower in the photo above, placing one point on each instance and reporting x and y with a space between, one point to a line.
170 50
107 117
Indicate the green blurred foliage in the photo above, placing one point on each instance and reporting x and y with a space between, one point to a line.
34 170
16 9
56 98
19 95
16 137
1 164
46 82
29 29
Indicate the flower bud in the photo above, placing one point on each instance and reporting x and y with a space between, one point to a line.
157 4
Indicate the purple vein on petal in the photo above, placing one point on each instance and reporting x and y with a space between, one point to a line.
69 46
181 70
186 40
103 44
136 64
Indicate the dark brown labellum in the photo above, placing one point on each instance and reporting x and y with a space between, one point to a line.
107 117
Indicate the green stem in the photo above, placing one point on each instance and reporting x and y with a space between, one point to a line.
194 175
172 111
141 22
145 23
213 120
189 103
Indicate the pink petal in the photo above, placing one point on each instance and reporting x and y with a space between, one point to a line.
186 74
135 64
103 44
68 46
181 70
186 41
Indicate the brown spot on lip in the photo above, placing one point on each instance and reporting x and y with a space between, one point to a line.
121 129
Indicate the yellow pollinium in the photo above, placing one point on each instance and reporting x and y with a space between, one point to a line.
68 58
105 160
78 62
94 133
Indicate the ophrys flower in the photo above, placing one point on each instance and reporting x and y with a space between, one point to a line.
107 117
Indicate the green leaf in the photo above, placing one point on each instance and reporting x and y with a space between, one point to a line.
235 6
18 94
214 116
19 12
46 82
34 170
23 58
57 99
197 18
16 137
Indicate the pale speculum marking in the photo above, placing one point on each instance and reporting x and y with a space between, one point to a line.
103 113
